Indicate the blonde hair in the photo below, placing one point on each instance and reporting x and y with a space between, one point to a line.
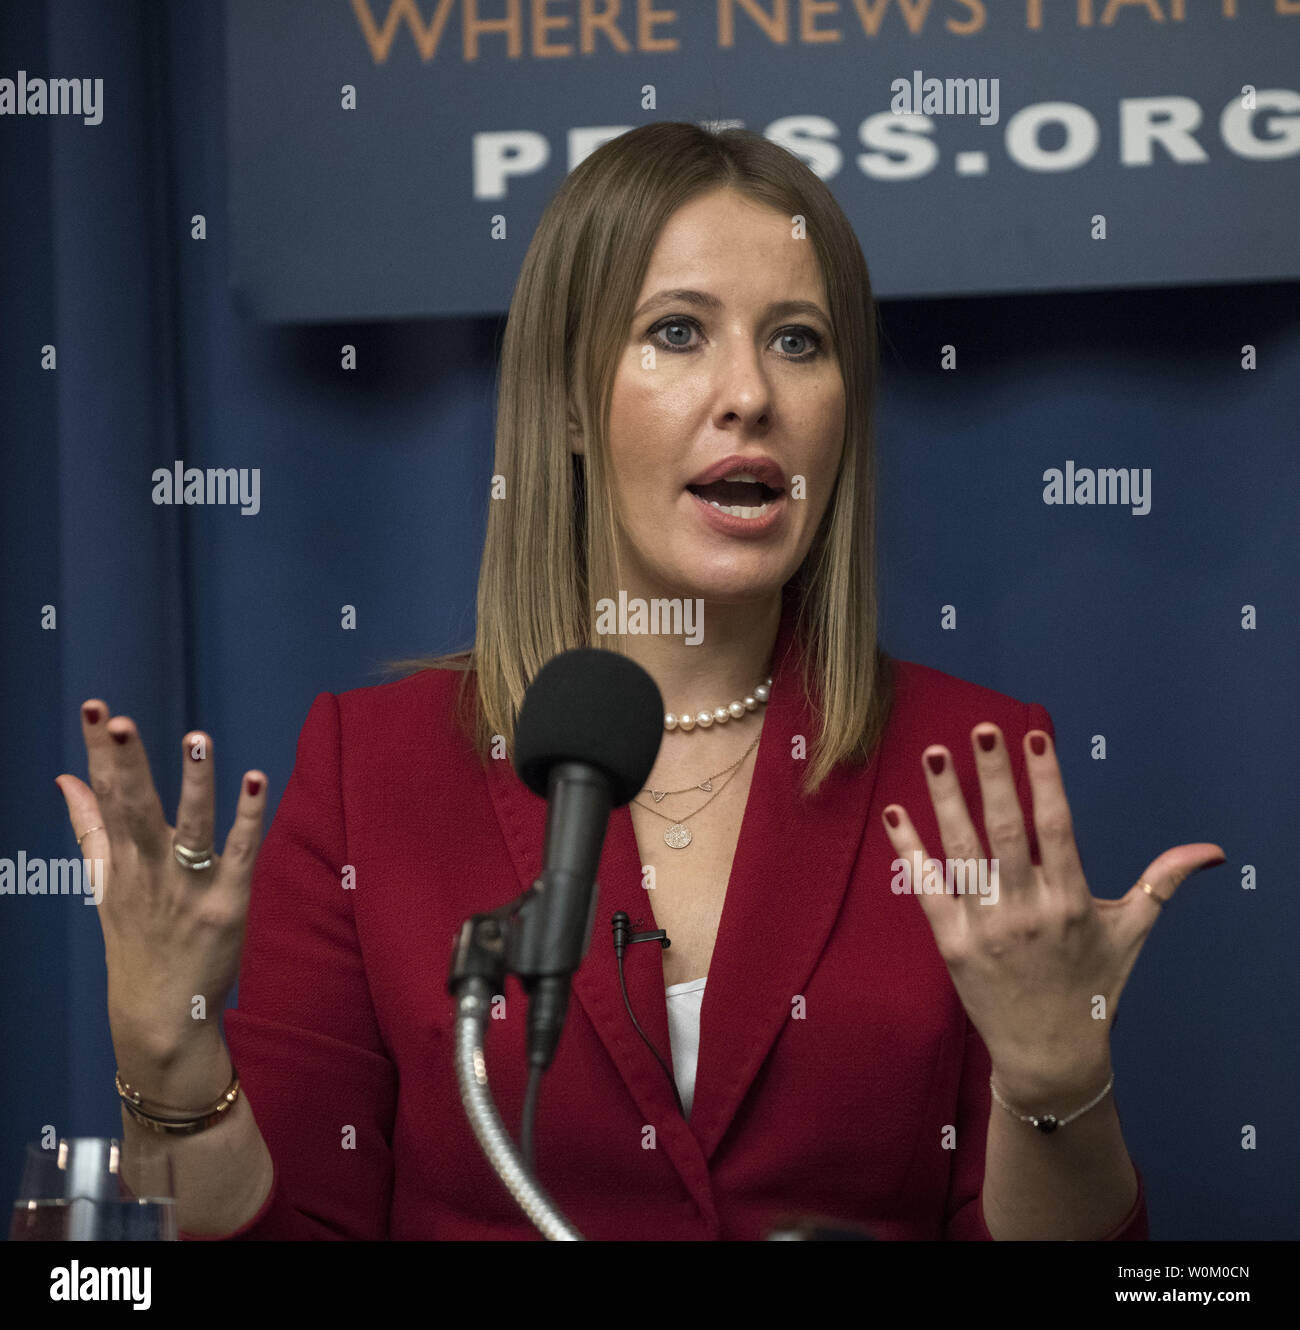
550 550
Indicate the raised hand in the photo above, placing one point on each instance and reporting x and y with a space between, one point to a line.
172 934
1040 971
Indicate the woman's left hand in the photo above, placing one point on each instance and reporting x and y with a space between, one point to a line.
1041 970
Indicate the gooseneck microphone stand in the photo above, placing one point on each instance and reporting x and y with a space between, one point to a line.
479 964
586 739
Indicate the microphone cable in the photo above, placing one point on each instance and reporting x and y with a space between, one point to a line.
530 1111
623 938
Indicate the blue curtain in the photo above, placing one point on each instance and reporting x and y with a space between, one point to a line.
374 491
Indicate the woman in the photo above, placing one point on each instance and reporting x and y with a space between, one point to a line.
684 416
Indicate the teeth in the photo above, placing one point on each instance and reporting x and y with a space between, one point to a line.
737 511
741 475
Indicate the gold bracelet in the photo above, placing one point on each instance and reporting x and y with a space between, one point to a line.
177 1126
1049 1122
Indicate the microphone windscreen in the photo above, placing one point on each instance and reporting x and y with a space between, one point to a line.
593 706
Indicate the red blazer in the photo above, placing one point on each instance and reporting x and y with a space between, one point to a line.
342 1035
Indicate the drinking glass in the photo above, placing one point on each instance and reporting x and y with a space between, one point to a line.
95 1189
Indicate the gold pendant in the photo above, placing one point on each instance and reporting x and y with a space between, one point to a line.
678 836
658 795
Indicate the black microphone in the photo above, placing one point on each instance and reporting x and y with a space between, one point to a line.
587 737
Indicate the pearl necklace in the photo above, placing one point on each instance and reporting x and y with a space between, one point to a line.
720 715
678 835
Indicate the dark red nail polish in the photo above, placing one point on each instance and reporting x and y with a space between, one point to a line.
92 715
120 736
986 740
891 816
936 763
1038 743
253 786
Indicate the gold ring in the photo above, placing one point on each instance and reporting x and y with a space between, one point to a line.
87 832
1162 901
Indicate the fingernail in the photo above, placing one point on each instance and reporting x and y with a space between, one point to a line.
891 816
120 736
91 714
986 740
253 786
936 763
1038 744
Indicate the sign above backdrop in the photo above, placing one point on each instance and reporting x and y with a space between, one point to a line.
391 158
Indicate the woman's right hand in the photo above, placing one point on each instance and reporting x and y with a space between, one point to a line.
172 935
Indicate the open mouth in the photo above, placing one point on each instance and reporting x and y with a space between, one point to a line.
737 498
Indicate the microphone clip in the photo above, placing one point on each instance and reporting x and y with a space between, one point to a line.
624 937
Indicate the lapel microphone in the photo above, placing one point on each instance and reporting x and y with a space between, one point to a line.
623 938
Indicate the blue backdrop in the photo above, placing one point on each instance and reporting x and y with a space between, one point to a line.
1125 626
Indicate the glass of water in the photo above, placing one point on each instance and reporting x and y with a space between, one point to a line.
95 1189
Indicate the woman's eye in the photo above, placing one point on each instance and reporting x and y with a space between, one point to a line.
677 332
802 334
675 327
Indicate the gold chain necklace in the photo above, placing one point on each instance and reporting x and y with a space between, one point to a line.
706 784
678 835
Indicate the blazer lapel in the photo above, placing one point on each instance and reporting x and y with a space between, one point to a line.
793 864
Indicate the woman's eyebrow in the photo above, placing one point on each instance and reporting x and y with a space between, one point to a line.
703 300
